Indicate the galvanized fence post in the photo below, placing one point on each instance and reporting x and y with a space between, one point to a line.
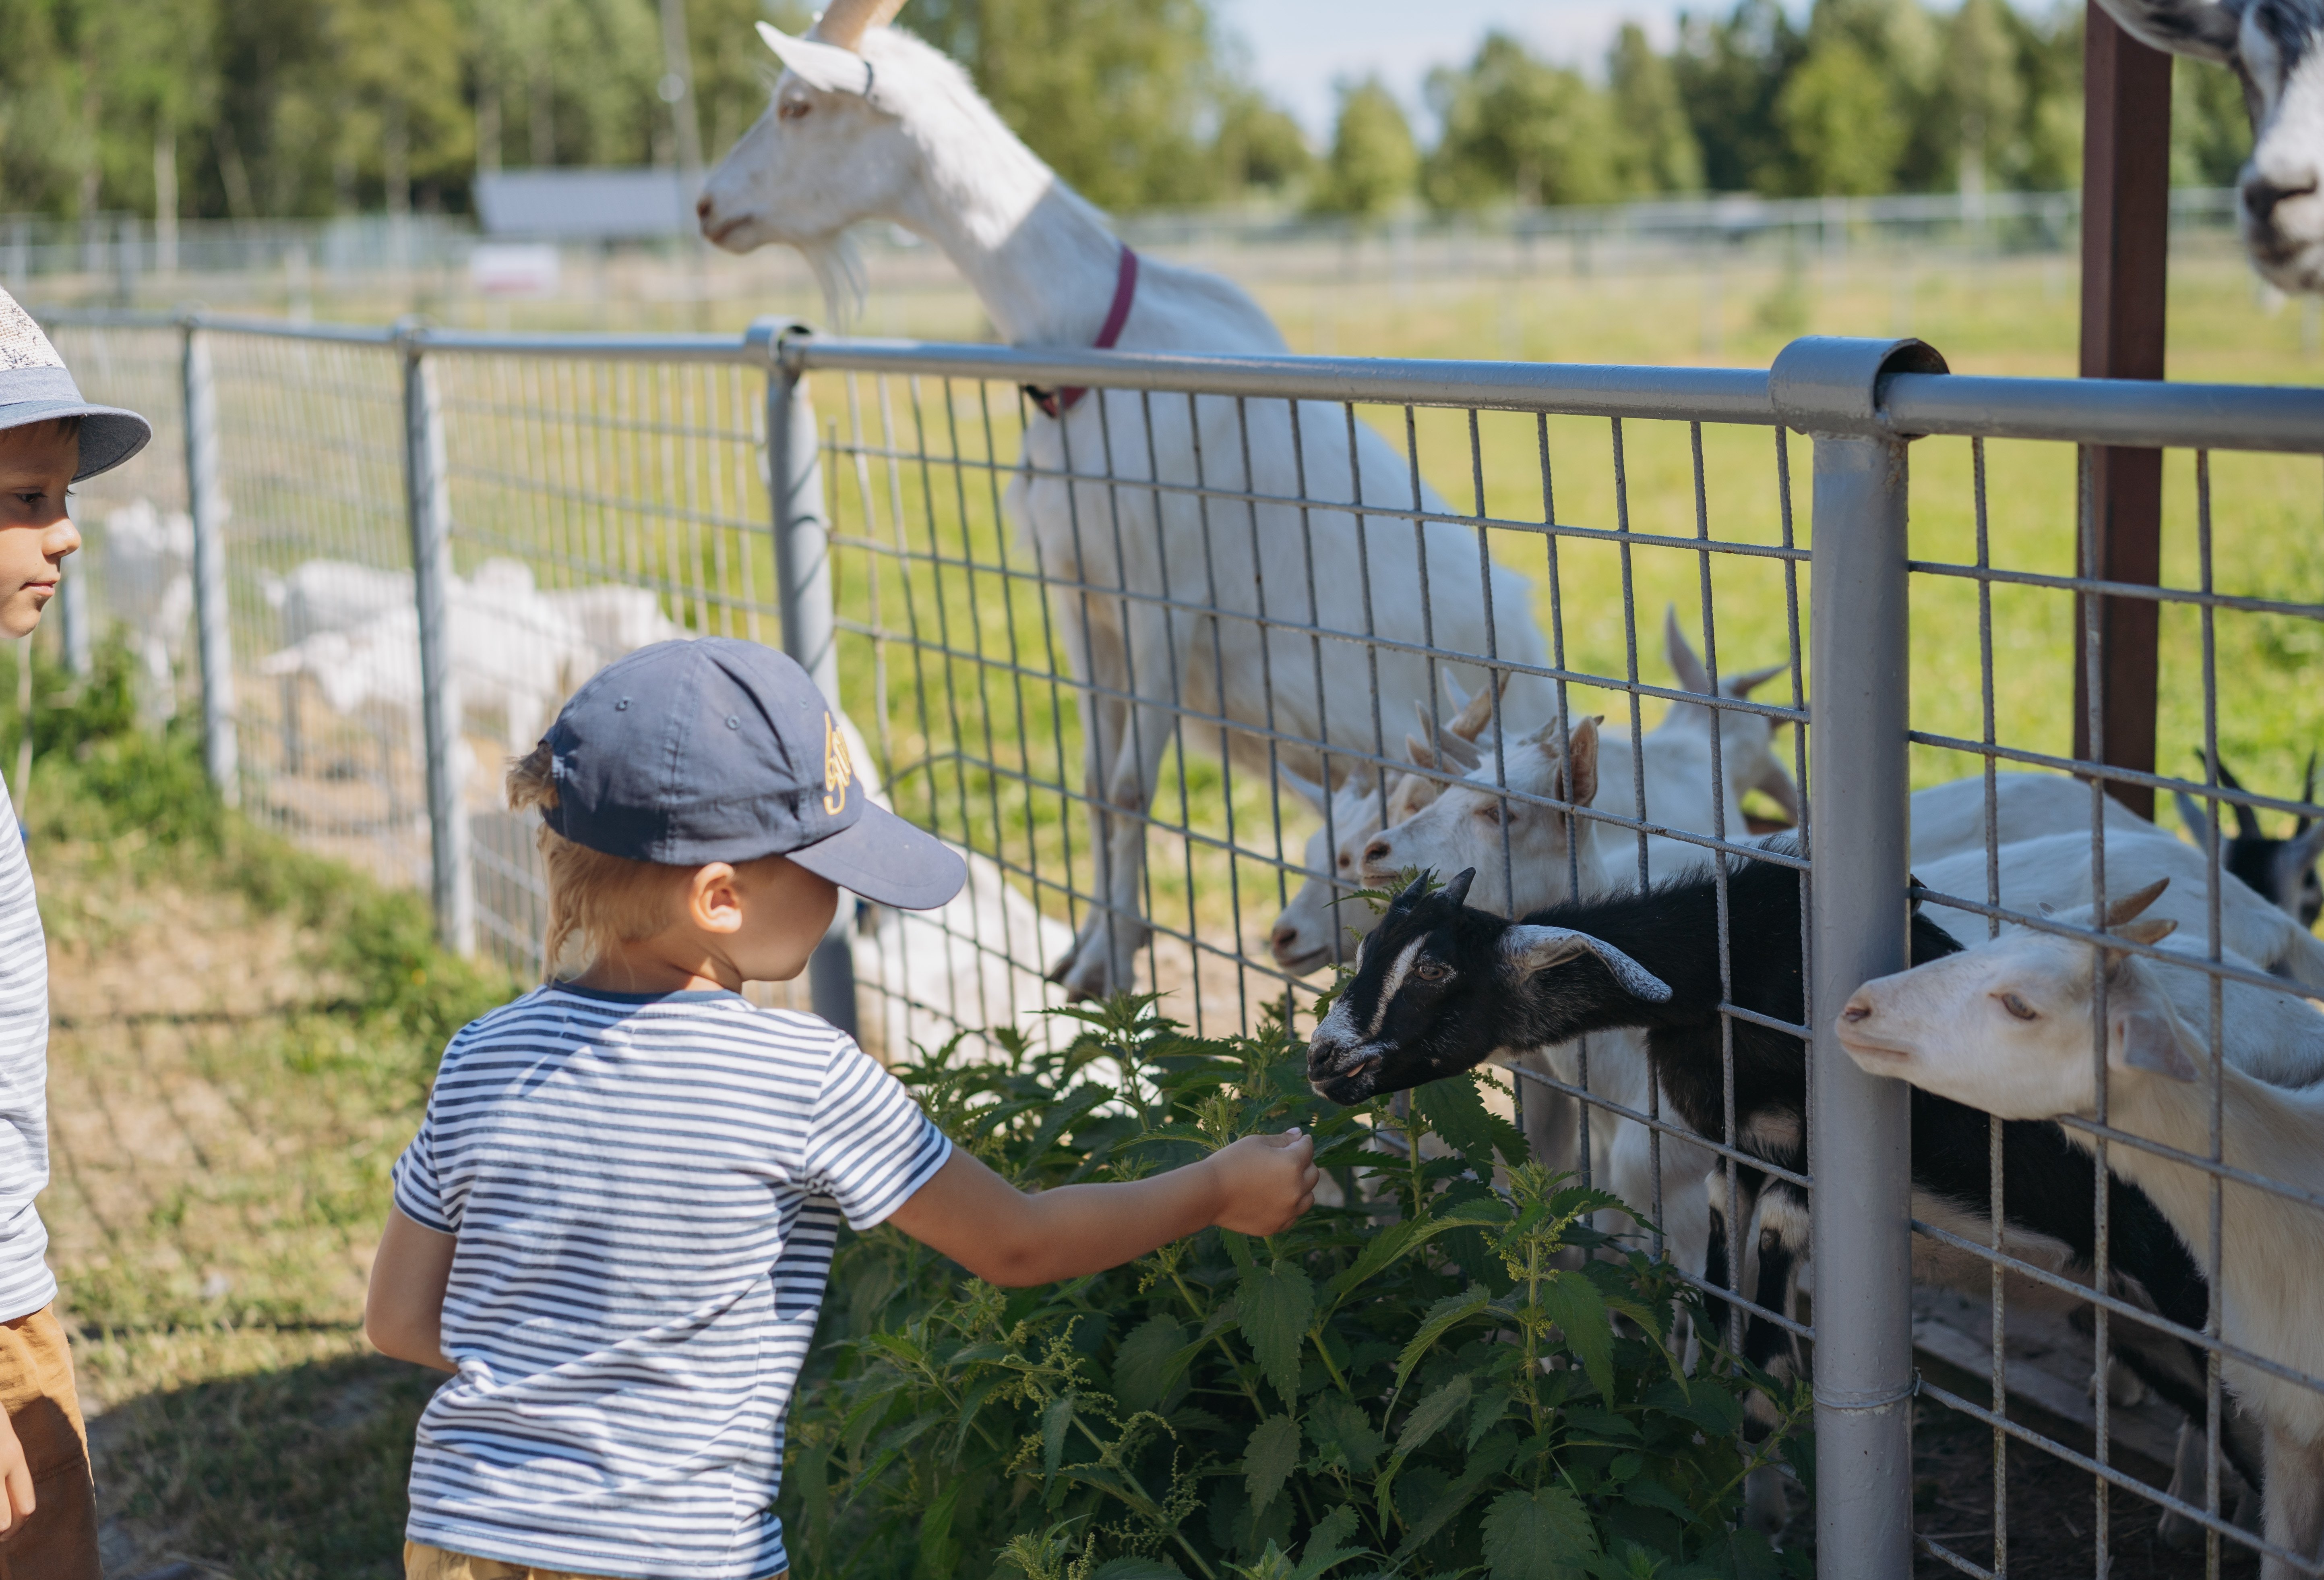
1859 1141
802 540
206 503
428 497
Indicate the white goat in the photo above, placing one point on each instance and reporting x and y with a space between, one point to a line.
145 584
936 971
868 123
614 620
1949 818
2006 1027
2055 871
333 594
2276 48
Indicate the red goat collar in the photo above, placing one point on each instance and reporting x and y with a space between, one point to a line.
1058 402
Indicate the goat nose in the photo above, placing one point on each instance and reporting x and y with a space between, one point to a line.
1376 851
702 208
2261 195
1858 1009
1285 936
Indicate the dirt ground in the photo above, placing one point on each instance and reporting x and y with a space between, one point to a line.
219 1153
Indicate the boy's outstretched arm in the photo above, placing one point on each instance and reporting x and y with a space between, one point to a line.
1258 1186
403 1310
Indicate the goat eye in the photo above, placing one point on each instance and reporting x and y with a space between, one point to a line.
2017 1006
1432 971
795 109
1490 811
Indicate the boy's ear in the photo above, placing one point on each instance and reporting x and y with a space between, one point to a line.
714 901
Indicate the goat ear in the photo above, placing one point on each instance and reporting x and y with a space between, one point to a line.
2134 904
1683 661
1582 762
2192 815
1457 890
2300 853
1779 788
2179 27
1532 949
2142 1036
817 64
1750 680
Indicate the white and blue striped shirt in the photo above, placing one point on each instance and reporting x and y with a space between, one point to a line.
25 1282
646 1191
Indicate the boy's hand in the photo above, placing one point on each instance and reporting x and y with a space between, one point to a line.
15 1476
1267 1182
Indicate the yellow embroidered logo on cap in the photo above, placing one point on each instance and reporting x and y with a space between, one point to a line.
838 770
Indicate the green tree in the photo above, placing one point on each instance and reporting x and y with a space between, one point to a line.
1984 93
1258 147
1517 127
1374 162
1730 73
1839 116
1656 150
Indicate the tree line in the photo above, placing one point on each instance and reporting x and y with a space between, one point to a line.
258 109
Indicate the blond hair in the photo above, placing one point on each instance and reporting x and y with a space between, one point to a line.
595 899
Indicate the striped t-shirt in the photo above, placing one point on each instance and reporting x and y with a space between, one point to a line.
646 1190
25 1282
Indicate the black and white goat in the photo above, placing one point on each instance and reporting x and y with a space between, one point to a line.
1441 988
2283 870
2276 48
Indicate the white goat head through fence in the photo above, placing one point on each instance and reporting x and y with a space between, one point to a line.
2277 48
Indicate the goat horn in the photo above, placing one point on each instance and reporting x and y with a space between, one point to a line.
1750 680
1457 890
846 22
1477 711
2131 905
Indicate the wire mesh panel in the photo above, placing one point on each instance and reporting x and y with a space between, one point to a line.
318 554
597 506
2116 1311
1195 717
136 566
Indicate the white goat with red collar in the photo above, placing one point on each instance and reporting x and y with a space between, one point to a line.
869 123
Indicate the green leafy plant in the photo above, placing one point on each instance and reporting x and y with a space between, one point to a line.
1442 1377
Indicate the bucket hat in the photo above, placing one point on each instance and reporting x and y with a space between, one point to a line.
719 750
35 387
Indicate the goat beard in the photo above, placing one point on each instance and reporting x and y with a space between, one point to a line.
837 264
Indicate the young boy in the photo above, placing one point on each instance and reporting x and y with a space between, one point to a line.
615 1224
50 438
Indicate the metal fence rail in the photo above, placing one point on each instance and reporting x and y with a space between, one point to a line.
1153 669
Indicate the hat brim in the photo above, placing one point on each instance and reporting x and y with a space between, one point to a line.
109 435
888 861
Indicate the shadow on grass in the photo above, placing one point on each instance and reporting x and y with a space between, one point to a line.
295 1473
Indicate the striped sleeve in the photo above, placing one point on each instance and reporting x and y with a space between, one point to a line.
869 1147
419 1195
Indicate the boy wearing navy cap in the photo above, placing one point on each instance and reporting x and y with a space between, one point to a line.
617 1222
50 438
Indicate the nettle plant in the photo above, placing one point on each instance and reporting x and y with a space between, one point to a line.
1444 1378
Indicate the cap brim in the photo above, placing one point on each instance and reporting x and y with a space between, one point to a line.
109 434
887 860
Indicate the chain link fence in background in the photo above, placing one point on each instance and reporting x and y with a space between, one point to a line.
1242 636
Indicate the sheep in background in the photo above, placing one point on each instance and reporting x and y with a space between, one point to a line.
145 583
2006 1027
869 123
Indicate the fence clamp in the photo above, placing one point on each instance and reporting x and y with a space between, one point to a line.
777 338
1830 383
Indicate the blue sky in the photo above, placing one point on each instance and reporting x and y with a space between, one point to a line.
1298 48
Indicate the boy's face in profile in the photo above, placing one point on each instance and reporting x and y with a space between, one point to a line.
37 462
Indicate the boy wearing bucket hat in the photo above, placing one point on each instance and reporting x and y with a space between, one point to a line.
617 1222
50 438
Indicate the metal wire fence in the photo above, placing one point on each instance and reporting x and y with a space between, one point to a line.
1183 672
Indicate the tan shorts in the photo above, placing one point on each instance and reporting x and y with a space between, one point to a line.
423 1562
59 1542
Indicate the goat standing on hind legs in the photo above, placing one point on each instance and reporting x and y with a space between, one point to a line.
1174 605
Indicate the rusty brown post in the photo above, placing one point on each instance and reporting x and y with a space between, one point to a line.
2125 240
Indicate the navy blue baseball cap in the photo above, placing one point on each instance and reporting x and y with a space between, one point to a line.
717 749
